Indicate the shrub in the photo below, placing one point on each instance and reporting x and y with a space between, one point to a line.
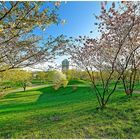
59 80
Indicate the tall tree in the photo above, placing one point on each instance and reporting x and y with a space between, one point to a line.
124 31
19 44
116 26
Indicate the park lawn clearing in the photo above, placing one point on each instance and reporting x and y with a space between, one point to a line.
78 82
68 113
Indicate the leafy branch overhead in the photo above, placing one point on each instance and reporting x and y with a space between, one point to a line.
19 45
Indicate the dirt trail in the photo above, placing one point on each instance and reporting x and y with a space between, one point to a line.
135 91
28 88
41 86
21 89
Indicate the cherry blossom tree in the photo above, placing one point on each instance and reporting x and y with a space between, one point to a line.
118 27
128 29
20 46
129 76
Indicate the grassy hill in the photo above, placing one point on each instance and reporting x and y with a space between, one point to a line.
78 82
68 113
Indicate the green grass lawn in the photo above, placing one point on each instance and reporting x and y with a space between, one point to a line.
68 113
78 82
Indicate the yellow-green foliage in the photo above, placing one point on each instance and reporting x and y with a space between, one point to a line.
21 77
42 76
59 79
76 74
50 76
79 74
17 75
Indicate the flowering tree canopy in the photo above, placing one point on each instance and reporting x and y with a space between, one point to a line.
113 51
19 44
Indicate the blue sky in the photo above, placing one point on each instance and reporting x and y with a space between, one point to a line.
79 20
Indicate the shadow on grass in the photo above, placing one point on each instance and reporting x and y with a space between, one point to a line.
49 92
47 97
71 107
11 102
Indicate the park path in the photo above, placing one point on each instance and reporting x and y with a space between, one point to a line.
41 86
28 88
135 91
21 89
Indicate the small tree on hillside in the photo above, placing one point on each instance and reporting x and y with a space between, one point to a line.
19 77
129 77
128 61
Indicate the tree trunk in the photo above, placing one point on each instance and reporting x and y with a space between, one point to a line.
103 105
24 87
